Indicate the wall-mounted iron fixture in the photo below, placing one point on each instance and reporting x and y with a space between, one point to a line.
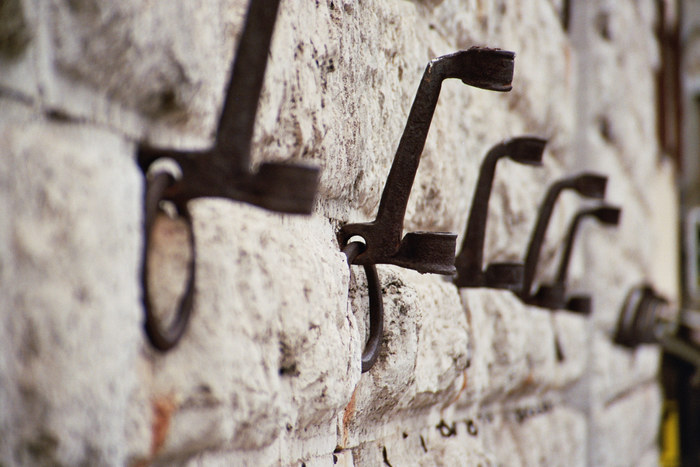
376 307
469 262
586 184
648 318
425 252
553 296
224 170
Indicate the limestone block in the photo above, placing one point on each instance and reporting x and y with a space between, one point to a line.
271 344
572 341
424 448
618 66
639 413
614 370
513 346
70 262
423 355
536 435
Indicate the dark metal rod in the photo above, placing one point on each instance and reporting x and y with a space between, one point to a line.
463 65
589 185
237 119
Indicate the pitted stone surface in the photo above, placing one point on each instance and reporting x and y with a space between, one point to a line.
268 372
72 374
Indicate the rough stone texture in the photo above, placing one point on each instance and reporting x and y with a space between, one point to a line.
69 374
612 446
537 434
268 372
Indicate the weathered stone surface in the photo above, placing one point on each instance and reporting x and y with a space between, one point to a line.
423 355
610 445
616 370
267 347
424 448
268 373
530 432
572 341
513 346
70 268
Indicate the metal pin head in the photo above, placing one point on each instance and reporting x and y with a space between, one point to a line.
591 185
490 69
607 214
526 150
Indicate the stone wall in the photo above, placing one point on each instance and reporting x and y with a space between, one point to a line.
269 372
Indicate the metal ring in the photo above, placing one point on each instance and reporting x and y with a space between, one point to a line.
164 337
376 307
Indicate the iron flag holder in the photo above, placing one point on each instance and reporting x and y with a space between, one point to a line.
586 184
223 171
425 252
524 150
553 296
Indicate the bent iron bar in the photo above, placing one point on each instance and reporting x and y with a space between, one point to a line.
553 296
586 184
224 170
424 251
469 262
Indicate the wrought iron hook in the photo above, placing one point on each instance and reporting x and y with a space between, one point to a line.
223 171
524 150
376 307
553 296
424 251
586 184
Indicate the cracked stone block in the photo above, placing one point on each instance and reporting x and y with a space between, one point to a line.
424 448
615 370
267 347
530 436
639 412
422 357
70 351
513 346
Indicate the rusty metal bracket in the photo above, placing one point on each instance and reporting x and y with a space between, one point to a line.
587 184
223 171
648 318
376 307
424 251
553 296
524 150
